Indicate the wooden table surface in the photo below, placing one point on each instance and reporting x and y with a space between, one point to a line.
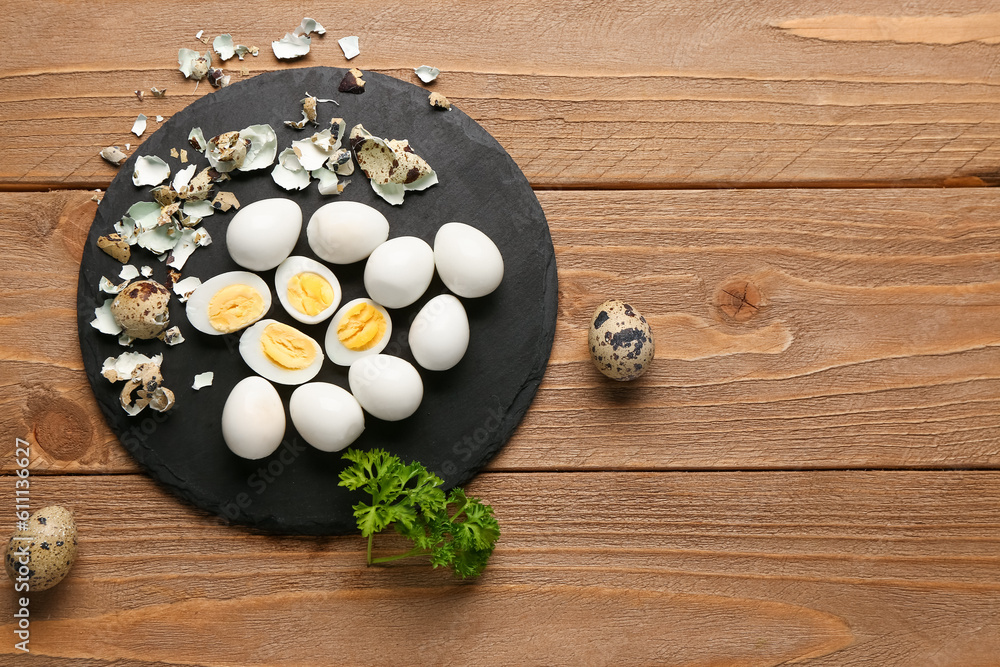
813 476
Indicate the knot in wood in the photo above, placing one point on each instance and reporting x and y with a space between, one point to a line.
739 300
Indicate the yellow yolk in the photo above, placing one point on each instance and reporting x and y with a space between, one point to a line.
361 328
309 293
287 347
234 307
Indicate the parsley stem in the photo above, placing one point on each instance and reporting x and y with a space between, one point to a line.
370 548
417 551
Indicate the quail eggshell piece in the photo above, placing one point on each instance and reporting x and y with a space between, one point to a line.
307 289
262 234
45 548
228 302
359 329
328 417
469 263
439 335
253 418
621 343
387 387
280 353
345 232
399 271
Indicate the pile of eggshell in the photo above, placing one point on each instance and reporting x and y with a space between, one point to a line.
398 272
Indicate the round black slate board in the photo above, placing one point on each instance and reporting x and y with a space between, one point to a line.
467 413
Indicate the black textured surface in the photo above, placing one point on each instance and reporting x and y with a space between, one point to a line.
468 412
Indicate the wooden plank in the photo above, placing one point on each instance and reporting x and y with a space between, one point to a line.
873 342
592 568
680 95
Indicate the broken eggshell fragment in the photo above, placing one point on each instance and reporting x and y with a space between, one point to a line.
113 155
115 246
426 73
439 101
227 151
308 114
150 170
223 45
192 64
391 166
291 46
349 45
353 82
621 343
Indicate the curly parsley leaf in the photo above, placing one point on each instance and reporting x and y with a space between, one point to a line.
452 530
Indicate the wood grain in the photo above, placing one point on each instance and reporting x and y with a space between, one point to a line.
873 341
679 94
626 568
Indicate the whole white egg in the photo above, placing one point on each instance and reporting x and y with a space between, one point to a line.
263 233
280 352
307 289
387 387
228 302
467 260
328 417
439 335
344 232
399 271
360 328
253 419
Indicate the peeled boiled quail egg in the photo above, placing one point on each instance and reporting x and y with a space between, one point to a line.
262 234
280 352
328 417
345 232
399 271
359 329
387 387
253 419
307 289
439 335
228 302
467 260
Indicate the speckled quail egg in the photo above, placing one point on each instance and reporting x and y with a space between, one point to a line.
262 234
307 289
345 232
328 417
280 352
387 387
253 418
360 328
468 261
228 302
399 271
621 343
43 552
142 309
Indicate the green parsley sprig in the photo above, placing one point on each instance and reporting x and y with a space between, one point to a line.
450 530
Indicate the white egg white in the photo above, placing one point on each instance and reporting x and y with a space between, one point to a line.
253 419
387 387
328 417
399 271
345 232
292 267
197 303
342 356
439 335
253 354
262 234
468 261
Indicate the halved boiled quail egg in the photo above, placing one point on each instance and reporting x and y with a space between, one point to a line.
228 302
360 328
281 353
307 289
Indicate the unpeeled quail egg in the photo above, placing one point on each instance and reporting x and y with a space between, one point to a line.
228 302
467 260
262 234
142 309
360 328
439 335
387 387
280 352
328 417
307 289
345 232
253 419
44 550
399 271
621 343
